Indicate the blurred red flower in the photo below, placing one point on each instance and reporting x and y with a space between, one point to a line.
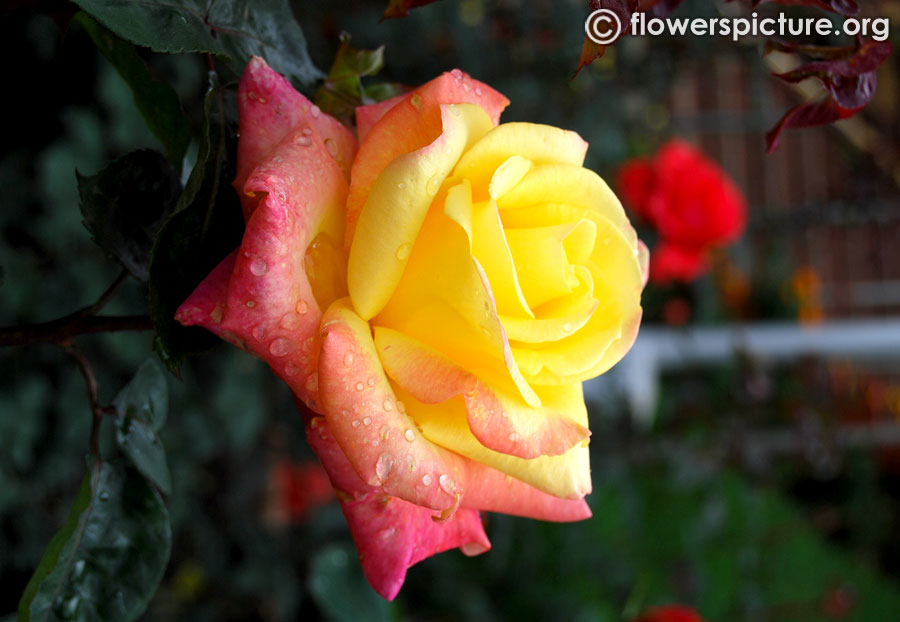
689 200
296 488
669 613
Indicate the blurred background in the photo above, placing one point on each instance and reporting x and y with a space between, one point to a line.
745 455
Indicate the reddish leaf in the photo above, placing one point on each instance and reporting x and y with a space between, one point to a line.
844 7
848 76
400 8
808 115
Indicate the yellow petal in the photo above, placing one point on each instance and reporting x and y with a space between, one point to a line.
444 300
396 207
541 144
566 476
542 264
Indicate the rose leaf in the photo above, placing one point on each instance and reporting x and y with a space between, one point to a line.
125 204
109 557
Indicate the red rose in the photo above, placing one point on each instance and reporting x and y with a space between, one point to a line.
690 201
670 613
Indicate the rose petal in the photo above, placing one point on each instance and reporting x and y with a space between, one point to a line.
397 205
269 307
269 110
411 125
370 114
382 443
390 534
500 422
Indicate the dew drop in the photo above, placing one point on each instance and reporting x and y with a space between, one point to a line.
383 466
401 407
258 332
348 359
466 87
411 462
388 404
401 185
360 386
568 327
433 185
302 307
371 381
307 344
385 432
103 496
78 569
403 252
315 112
427 479
416 101
307 131
291 369
315 422
259 267
447 484
312 382
367 421
345 412
410 435
478 91
279 347
456 73
304 141
355 423
513 437
250 304
331 147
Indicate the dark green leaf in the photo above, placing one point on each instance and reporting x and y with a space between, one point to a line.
146 396
343 90
206 225
237 30
140 412
107 561
339 588
125 204
142 447
156 100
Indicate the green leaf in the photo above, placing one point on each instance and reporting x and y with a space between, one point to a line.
125 204
206 225
146 396
236 30
339 588
343 90
156 100
140 412
107 561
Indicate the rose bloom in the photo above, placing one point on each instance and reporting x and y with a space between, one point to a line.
670 613
690 201
435 297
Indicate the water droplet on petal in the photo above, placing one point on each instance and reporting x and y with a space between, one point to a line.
385 432
403 252
251 303
410 435
258 332
416 101
259 267
280 347
348 359
291 369
345 412
401 185
411 461
513 437
383 466
307 131
447 484
331 147
312 383
302 307
303 141
433 185
427 479
388 404
355 423
367 421
315 111
478 91
371 381
401 407
315 422
568 327
360 386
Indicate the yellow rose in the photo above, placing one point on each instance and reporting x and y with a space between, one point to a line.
488 275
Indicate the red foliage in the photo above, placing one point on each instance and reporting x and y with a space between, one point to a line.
669 613
691 203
